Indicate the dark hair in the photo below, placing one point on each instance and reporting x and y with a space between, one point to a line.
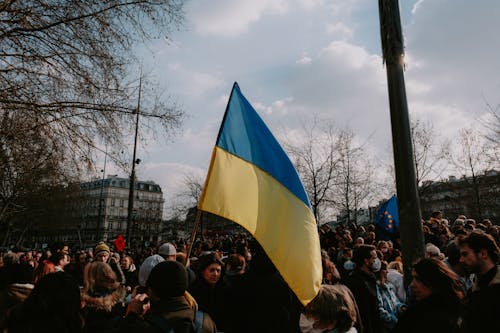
435 274
53 305
478 240
207 259
361 253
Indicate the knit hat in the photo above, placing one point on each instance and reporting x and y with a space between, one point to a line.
146 267
168 279
167 249
100 247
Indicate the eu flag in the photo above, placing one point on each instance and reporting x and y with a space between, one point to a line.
251 181
387 218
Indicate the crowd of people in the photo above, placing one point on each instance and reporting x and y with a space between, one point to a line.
228 284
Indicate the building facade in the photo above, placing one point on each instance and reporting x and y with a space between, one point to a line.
103 210
475 197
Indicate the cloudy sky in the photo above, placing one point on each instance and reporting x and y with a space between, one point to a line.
297 58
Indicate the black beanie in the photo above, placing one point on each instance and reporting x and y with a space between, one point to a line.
168 279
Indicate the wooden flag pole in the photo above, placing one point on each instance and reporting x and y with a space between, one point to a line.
193 233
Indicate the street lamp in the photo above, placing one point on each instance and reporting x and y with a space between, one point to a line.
99 213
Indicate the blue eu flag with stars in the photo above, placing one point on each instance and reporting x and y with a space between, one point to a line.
387 218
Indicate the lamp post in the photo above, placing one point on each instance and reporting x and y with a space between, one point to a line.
132 173
99 213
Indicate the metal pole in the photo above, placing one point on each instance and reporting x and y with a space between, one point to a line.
193 232
99 213
132 174
412 243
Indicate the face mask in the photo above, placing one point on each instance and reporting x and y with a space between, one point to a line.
376 265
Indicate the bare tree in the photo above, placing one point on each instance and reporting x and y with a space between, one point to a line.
65 86
492 122
429 152
315 156
356 184
188 196
63 66
471 160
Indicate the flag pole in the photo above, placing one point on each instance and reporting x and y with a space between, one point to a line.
410 226
193 233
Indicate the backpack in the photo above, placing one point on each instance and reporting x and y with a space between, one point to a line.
161 323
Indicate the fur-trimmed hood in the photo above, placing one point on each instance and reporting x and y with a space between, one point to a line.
104 302
20 291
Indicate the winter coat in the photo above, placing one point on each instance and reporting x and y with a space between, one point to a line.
482 306
435 314
103 310
363 285
176 313
389 306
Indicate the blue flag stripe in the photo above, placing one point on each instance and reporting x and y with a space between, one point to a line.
244 134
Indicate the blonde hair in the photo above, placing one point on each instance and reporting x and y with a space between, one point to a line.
334 303
99 275
396 265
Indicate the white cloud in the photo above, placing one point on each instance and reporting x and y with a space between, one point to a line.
340 29
231 18
304 60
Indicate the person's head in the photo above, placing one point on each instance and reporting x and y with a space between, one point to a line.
433 277
147 265
364 256
235 264
126 262
478 252
99 276
101 252
382 246
330 273
359 241
437 215
167 279
53 305
396 265
210 268
382 273
168 251
333 307
432 251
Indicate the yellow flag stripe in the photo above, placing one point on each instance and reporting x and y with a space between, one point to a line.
281 223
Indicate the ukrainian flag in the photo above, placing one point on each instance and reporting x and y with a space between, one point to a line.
252 182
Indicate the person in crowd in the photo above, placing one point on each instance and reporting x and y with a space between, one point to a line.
208 289
169 311
264 301
102 253
330 273
52 306
168 251
16 283
145 269
333 309
437 294
453 261
104 298
396 278
183 259
383 247
77 267
341 263
363 284
432 251
389 306
130 272
60 261
479 253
